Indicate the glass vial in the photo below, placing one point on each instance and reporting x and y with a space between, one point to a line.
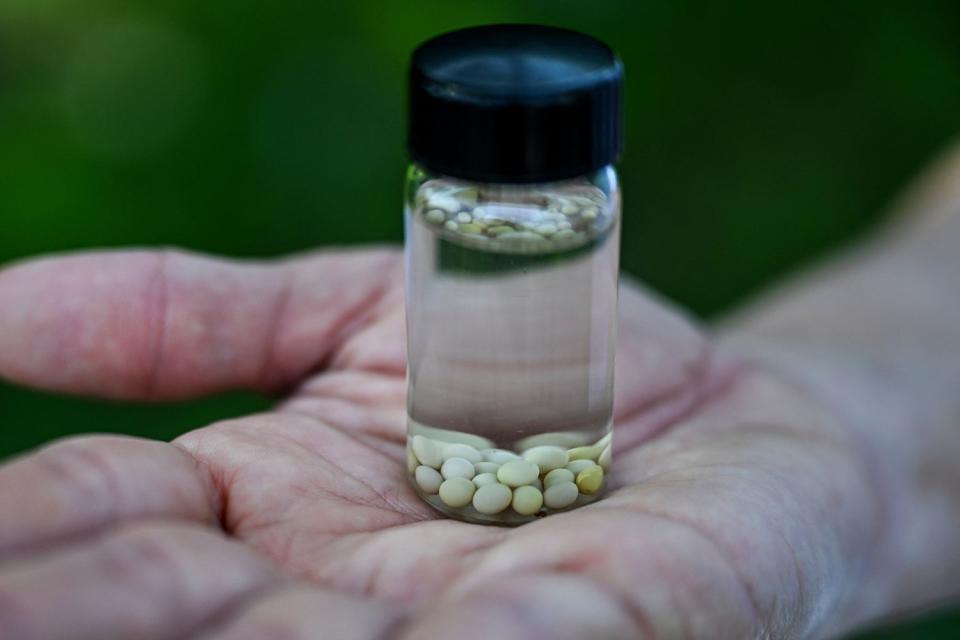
512 214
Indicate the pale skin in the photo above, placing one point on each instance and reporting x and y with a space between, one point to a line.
791 474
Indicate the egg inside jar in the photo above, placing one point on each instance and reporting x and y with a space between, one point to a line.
501 486
514 219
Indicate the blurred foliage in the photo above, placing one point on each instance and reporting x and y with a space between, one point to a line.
760 136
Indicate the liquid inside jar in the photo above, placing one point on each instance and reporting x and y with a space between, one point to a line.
511 326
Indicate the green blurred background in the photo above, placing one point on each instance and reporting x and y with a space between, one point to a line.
759 137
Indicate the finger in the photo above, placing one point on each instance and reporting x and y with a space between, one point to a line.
167 325
764 483
648 576
304 613
75 487
547 606
149 582
665 368
935 193
379 345
363 388
364 402
659 350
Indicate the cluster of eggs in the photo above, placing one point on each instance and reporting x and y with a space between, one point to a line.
532 222
490 480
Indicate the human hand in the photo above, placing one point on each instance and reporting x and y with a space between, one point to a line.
739 506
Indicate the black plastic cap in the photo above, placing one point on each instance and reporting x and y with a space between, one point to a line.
514 103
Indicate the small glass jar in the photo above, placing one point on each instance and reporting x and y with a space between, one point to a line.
512 244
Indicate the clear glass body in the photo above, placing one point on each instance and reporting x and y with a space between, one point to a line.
511 322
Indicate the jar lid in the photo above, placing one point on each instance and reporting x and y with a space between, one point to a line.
514 103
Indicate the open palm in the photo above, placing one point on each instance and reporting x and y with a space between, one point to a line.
738 506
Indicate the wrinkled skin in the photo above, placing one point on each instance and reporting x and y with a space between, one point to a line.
740 505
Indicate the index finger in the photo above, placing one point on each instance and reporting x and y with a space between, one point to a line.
161 325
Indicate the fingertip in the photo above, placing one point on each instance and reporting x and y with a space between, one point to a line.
79 485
